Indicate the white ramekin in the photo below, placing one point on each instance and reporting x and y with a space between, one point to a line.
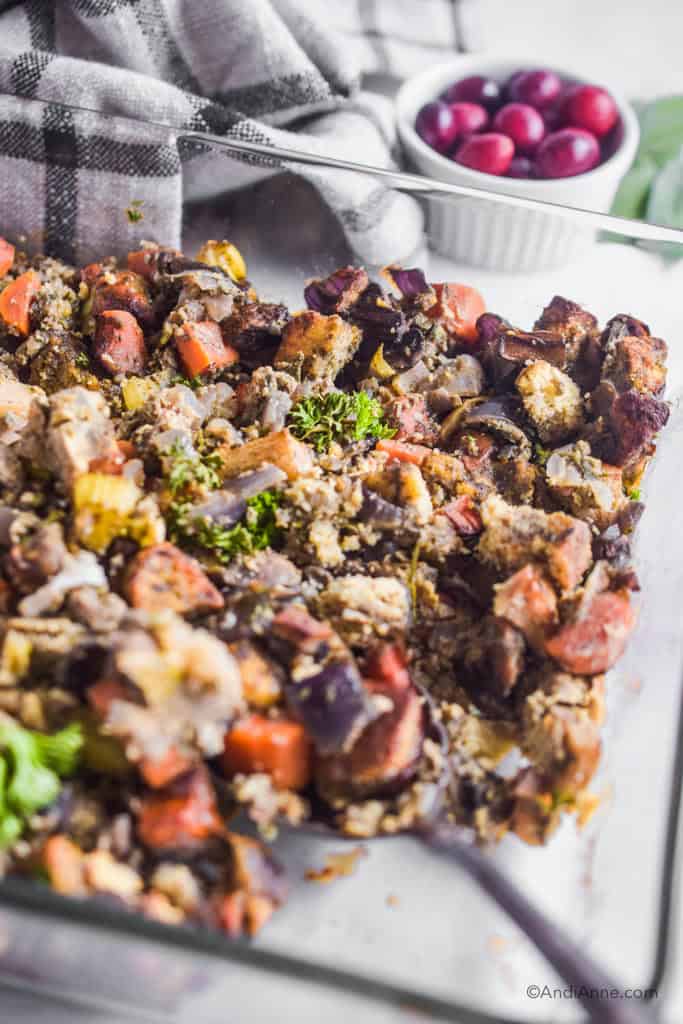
487 234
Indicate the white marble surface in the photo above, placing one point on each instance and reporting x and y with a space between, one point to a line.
637 47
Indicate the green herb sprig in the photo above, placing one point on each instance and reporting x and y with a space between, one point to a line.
134 211
542 454
338 416
258 531
189 468
32 765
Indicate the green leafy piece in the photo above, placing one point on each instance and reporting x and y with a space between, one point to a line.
634 494
61 751
258 531
542 454
665 205
631 199
34 763
82 360
134 211
338 416
32 785
189 468
652 189
11 826
661 129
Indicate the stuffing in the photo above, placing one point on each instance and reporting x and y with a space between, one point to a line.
514 535
316 347
551 400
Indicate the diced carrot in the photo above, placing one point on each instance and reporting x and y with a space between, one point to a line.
158 772
119 342
91 272
595 642
200 347
6 256
388 664
145 261
163 577
16 299
182 820
279 448
403 451
458 307
63 862
278 748
127 449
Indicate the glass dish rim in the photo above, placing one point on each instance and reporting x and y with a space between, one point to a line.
39 900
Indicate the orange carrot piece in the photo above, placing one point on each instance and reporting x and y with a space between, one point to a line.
200 347
404 452
458 307
145 261
182 821
279 748
158 772
6 256
16 299
90 272
63 862
119 345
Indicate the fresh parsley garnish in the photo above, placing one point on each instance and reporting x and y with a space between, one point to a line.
189 468
634 493
258 531
338 416
32 765
134 212
82 360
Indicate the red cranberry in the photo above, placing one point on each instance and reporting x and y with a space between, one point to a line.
522 123
490 153
520 167
553 114
474 89
611 142
590 107
510 84
436 126
567 152
468 118
537 88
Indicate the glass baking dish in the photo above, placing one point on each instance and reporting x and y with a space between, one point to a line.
408 929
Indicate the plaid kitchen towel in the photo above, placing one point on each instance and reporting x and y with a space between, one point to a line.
287 72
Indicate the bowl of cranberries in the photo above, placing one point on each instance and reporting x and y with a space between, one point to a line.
520 128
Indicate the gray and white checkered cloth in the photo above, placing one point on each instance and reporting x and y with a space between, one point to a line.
286 72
